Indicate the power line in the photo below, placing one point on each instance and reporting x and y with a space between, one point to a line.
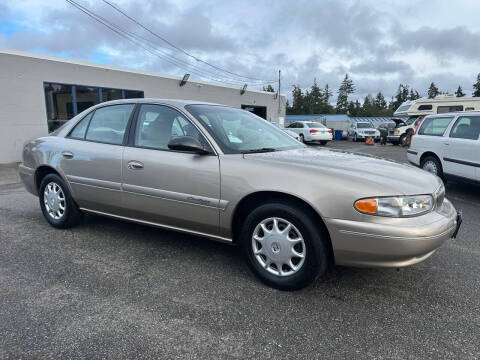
136 39
180 49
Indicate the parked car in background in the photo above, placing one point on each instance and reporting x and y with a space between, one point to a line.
289 132
361 130
448 145
226 174
309 131
403 130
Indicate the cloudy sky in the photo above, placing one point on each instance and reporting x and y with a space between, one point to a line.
379 43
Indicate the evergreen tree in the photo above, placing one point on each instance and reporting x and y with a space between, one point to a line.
476 87
298 100
380 102
459 92
400 97
433 91
414 95
269 88
354 108
315 99
346 88
327 94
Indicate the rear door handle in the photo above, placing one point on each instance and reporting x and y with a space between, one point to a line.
446 143
135 165
67 154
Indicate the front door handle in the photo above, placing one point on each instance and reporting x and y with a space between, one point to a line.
67 154
135 165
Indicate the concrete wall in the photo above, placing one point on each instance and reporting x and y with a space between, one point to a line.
22 100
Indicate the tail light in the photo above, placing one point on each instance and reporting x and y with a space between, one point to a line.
330 131
313 131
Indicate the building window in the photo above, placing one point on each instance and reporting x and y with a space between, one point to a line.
64 101
86 96
59 104
112 94
133 94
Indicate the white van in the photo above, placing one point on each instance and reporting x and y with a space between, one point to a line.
448 145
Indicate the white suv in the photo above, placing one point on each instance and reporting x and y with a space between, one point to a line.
448 145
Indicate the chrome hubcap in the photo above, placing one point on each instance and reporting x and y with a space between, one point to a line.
54 200
431 167
278 246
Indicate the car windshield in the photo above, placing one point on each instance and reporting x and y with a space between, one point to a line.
364 125
238 131
411 120
315 125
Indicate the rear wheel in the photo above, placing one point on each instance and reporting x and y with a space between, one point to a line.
432 165
283 247
302 139
323 142
57 204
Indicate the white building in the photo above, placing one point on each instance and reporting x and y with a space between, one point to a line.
39 93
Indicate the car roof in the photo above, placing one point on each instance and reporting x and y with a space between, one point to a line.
456 113
173 102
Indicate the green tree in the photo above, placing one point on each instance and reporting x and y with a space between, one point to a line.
400 97
298 101
269 88
433 91
327 94
459 92
368 107
314 99
476 87
380 102
354 108
414 95
346 88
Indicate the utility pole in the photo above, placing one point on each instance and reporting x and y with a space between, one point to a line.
279 73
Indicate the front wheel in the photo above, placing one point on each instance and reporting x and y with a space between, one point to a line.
283 246
58 206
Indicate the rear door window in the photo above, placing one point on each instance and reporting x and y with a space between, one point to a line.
466 127
109 123
435 126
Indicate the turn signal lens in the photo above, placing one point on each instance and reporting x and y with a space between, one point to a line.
368 206
396 206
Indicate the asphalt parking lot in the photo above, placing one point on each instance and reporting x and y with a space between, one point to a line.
109 289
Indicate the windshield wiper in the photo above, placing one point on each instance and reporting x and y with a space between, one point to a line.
261 150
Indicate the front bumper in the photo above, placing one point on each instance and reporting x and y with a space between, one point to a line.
392 242
364 136
394 138
27 175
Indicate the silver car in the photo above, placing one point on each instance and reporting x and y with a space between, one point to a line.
227 174
361 130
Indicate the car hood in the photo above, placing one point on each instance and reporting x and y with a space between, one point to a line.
387 177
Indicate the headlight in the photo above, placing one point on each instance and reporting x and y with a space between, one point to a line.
397 132
397 206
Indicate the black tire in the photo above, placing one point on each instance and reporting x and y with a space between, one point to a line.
323 142
71 215
302 139
432 165
404 139
317 254
354 138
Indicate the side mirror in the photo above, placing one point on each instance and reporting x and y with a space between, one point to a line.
187 143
